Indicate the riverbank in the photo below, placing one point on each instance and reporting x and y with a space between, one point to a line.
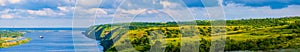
12 38
9 42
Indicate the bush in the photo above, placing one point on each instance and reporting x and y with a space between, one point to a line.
258 33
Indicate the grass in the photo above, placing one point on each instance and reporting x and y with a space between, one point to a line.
240 35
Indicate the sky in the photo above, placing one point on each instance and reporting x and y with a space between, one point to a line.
62 13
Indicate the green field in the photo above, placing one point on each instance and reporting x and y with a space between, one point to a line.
245 34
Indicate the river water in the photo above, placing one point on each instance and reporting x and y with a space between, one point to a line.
56 41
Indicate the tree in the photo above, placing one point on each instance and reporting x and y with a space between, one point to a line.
235 29
295 25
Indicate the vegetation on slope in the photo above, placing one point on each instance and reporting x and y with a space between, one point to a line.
246 34
8 39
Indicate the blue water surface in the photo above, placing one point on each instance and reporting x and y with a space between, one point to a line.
56 41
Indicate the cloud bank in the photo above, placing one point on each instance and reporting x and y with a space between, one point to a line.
52 10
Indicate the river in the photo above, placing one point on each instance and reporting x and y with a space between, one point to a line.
56 41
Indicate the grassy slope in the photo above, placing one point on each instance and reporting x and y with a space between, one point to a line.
249 32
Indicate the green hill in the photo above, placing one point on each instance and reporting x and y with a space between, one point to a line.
245 34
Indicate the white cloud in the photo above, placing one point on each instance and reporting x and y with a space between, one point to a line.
199 13
88 3
5 2
89 11
153 11
98 10
37 12
44 12
132 11
2 2
5 11
14 1
63 8
6 16
167 4
233 11
31 14
69 1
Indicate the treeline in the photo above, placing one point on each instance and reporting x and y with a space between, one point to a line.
294 25
10 34
242 22
270 43
267 22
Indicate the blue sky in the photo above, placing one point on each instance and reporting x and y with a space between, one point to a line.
59 13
